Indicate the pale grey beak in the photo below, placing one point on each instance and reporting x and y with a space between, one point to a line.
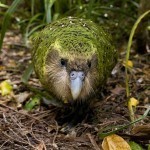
76 82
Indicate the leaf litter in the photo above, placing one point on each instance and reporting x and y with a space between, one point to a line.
38 128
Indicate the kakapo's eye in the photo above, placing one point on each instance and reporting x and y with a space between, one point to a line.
89 64
63 62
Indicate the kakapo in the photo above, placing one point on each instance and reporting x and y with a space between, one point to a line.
73 58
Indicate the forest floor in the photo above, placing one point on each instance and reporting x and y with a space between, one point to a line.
38 129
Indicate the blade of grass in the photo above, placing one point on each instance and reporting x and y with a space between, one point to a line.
30 25
32 20
35 29
48 6
127 59
90 7
26 75
32 7
6 20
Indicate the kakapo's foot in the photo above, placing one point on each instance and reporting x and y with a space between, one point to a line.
72 114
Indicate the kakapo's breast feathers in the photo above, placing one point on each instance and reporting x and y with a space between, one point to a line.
74 36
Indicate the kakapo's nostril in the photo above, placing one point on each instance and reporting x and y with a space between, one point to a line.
73 75
81 74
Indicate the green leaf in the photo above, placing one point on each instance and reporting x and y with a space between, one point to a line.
135 146
26 75
33 103
6 20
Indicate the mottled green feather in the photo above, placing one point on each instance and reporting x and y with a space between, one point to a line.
72 36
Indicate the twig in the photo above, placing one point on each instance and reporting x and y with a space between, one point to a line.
3 144
96 147
16 140
19 125
54 144
30 116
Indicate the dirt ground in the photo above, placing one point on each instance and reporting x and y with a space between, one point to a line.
38 129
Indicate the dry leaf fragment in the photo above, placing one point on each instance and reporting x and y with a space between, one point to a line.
118 90
115 142
41 146
22 97
141 131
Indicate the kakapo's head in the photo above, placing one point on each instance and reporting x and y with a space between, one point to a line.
72 70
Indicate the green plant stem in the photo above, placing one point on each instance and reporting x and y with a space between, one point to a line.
127 59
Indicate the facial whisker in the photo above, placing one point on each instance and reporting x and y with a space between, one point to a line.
90 87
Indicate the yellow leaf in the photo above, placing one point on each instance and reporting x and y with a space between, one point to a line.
129 64
5 88
115 142
133 102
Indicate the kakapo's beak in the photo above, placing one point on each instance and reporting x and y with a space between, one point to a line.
76 83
